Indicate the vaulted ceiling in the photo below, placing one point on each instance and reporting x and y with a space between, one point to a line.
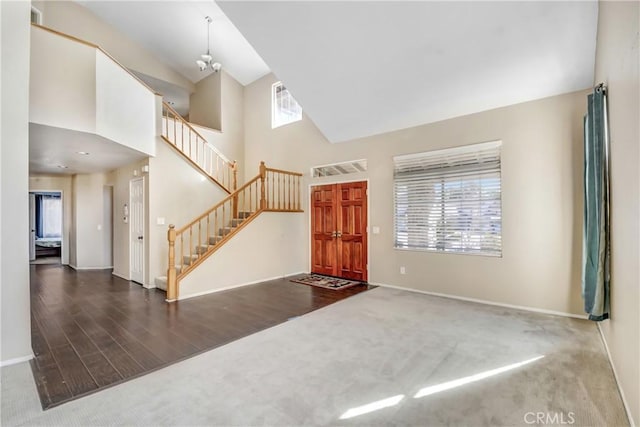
363 68
176 33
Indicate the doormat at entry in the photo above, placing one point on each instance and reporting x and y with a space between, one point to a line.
326 282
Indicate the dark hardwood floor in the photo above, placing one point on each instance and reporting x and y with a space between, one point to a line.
91 330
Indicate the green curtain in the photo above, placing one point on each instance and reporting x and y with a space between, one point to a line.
595 249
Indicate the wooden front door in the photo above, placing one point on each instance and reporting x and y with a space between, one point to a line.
339 230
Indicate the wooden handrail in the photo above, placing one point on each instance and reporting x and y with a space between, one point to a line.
272 190
197 166
176 114
216 206
231 181
194 147
188 125
284 172
95 46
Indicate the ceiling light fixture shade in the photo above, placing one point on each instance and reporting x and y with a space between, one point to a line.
206 61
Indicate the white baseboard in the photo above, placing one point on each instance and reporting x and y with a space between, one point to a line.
234 286
89 268
615 375
293 274
16 360
120 276
481 301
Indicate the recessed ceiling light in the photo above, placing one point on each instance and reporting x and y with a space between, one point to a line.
63 167
84 153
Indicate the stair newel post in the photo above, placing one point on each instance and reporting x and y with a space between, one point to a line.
172 285
234 168
263 175
235 175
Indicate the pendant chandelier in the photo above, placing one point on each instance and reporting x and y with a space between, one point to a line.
206 60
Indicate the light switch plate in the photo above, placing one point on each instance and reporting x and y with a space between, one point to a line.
160 221
376 230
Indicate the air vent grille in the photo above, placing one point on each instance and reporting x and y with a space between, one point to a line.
344 168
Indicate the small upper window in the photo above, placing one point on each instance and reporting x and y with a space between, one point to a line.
284 109
36 16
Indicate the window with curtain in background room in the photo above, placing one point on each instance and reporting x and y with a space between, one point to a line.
284 108
449 200
48 216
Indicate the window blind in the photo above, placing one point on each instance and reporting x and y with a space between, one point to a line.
449 200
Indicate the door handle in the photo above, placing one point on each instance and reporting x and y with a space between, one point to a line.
336 234
140 237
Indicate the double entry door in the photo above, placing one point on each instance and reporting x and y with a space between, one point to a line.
339 230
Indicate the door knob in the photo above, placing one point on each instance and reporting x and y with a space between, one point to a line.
338 234
139 237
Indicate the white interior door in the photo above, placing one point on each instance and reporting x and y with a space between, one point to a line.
136 228
107 221
32 227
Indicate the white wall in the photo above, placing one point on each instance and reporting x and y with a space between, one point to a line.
63 184
119 179
541 196
63 92
230 140
617 60
205 106
75 86
265 249
89 230
15 330
74 19
125 110
178 197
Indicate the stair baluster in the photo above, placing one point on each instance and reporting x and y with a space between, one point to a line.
195 148
229 216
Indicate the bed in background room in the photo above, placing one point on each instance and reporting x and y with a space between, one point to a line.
48 247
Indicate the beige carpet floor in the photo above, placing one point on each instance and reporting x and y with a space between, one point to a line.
365 361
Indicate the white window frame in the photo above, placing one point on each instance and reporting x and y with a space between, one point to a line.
278 117
38 14
433 213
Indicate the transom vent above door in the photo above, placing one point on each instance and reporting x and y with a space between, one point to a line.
344 168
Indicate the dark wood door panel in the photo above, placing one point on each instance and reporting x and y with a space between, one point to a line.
323 257
339 216
323 225
353 262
